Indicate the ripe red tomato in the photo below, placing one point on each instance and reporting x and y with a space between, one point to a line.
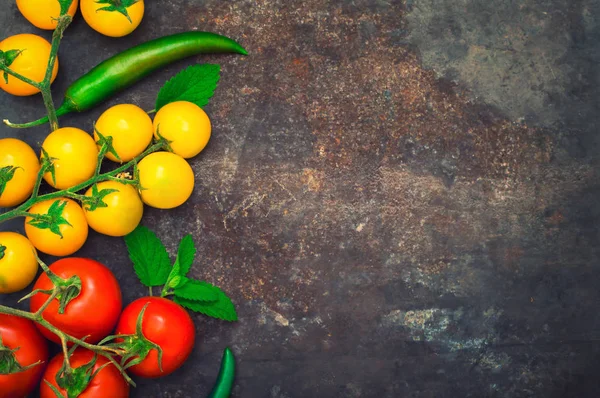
21 333
107 383
93 313
166 324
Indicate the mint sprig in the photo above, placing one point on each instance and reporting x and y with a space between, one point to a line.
150 259
195 84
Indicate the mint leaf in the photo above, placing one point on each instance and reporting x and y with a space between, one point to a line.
222 308
149 256
185 255
6 174
193 290
195 84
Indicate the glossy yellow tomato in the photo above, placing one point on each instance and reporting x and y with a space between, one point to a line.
75 154
44 13
25 167
74 231
31 63
18 265
112 23
186 125
131 130
167 180
123 211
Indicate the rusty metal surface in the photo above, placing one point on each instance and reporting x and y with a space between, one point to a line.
401 198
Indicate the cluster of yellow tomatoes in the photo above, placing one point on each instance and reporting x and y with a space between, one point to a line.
44 15
166 180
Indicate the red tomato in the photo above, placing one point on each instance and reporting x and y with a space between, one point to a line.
107 383
166 324
21 333
93 313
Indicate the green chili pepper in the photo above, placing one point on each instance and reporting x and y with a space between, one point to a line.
224 383
123 70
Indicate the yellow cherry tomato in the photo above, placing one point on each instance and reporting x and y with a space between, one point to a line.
167 180
131 130
112 23
43 14
123 211
31 63
186 125
74 229
17 158
18 264
75 157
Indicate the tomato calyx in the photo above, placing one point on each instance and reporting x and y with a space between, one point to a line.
9 363
6 174
117 5
106 145
96 201
65 290
7 58
75 380
137 346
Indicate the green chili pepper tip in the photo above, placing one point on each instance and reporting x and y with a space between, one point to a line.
224 383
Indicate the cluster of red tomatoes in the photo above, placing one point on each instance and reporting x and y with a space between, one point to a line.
93 315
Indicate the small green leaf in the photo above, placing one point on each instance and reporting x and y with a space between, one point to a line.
5 75
175 281
195 290
222 308
195 84
53 219
149 256
117 5
2 250
185 255
6 174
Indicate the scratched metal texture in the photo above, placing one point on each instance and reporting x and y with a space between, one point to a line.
401 197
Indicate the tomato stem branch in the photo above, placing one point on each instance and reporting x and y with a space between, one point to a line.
21 211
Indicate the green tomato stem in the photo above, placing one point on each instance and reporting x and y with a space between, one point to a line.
21 211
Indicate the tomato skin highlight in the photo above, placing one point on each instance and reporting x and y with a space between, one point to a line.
18 154
165 323
107 383
20 332
93 313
